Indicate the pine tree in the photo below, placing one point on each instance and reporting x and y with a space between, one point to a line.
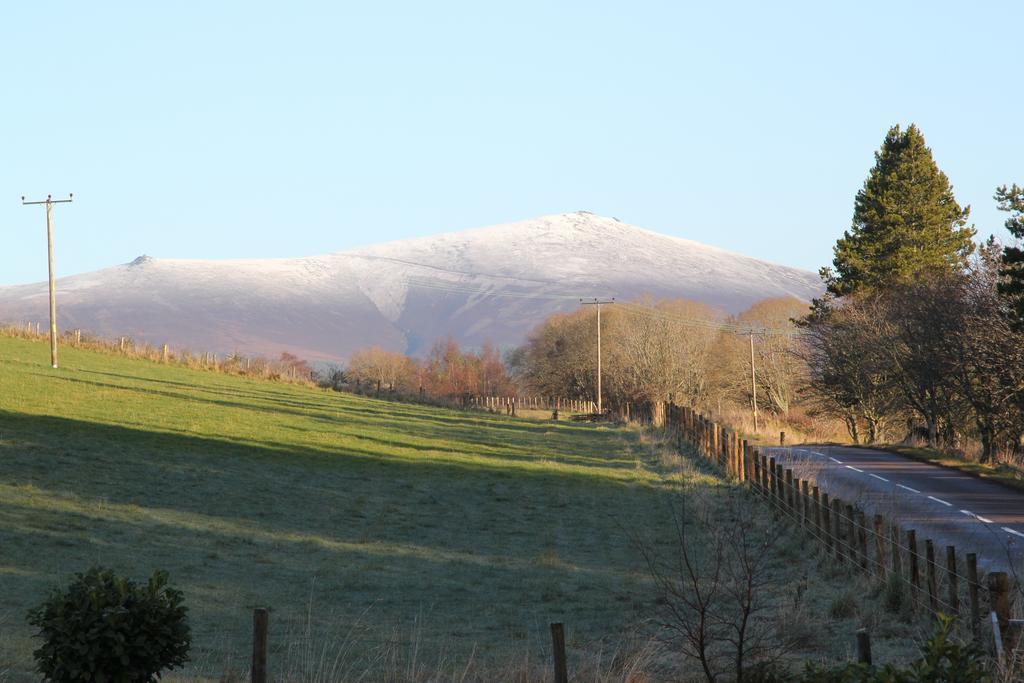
906 221
1011 199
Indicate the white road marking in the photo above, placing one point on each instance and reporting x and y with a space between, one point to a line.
977 517
878 477
908 488
939 500
851 467
1011 531
817 453
834 460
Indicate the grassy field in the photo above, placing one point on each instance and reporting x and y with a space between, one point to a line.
379 534
480 529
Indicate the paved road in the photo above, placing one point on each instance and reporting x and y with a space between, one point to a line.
949 507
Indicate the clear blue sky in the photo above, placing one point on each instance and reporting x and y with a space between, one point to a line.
219 130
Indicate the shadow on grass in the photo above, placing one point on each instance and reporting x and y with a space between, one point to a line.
490 546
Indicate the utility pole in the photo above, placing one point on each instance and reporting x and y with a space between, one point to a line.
753 380
49 202
598 303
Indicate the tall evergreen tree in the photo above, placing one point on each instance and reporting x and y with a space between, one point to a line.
1011 199
906 221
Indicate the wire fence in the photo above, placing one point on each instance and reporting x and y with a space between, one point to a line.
877 547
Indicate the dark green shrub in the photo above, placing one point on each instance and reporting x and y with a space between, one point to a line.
108 629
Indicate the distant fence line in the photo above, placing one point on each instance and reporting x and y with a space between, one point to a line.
234 363
510 404
843 532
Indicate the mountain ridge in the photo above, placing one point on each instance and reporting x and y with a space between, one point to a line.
492 283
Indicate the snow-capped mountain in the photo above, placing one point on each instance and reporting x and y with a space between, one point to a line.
489 284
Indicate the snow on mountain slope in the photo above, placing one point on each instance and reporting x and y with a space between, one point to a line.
489 284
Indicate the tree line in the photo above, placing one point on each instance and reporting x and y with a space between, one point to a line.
669 350
448 371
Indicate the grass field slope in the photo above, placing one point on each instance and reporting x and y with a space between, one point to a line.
390 541
357 521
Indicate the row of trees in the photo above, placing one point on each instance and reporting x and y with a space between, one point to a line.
671 350
447 371
921 330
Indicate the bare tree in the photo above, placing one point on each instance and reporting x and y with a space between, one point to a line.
661 350
988 351
388 369
848 374
720 600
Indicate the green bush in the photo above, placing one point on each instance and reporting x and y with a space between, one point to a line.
108 629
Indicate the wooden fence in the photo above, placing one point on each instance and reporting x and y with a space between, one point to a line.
511 404
949 584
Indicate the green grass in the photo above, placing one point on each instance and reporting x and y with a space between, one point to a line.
368 527
480 528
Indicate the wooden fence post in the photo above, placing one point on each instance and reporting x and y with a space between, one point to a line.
862 540
772 485
777 489
740 456
863 646
915 572
999 598
954 595
757 470
851 538
805 503
929 557
880 544
894 548
816 506
749 457
837 533
790 503
260 623
826 525
972 594
558 650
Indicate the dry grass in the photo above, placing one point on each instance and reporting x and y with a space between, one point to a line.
799 426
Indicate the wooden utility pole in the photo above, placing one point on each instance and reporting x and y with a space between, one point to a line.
49 202
753 380
598 303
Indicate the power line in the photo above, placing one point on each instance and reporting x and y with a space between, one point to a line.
597 303
49 202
